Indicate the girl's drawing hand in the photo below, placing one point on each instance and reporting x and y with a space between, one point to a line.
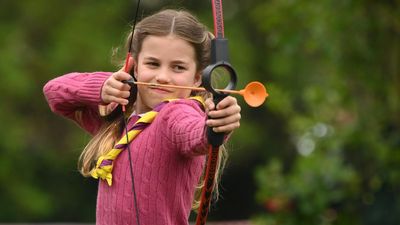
114 90
225 117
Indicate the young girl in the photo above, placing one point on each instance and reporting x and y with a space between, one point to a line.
168 155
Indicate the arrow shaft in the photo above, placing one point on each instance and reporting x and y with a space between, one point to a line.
184 87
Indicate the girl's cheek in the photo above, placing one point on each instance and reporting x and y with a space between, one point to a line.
144 76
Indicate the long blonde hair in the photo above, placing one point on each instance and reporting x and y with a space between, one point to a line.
185 26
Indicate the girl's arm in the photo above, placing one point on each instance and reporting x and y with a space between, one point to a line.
185 123
183 126
77 96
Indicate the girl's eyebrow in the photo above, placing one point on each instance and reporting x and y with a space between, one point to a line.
176 61
151 58
179 61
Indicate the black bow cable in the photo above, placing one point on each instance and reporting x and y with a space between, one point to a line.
125 120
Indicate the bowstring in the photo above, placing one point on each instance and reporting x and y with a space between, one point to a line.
125 119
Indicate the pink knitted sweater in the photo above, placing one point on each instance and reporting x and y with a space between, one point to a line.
168 156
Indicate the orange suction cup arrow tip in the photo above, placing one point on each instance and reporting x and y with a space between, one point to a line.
254 94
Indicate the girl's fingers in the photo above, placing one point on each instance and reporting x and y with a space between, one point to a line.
209 105
113 95
220 122
121 75
121 101
110 94
117 78
114 90
226 102
116 84
226 117
224 108
232 109
227 128
117 93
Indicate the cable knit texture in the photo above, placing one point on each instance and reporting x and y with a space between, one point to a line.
168 156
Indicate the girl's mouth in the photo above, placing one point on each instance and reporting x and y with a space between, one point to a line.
160 90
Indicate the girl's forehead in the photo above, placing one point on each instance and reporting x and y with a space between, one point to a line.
167 46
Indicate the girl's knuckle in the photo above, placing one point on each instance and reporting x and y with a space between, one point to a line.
237 125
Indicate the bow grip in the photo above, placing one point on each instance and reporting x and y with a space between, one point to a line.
216 139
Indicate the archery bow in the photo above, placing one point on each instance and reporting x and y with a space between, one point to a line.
219 59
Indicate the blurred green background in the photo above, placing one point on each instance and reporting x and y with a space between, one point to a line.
323 149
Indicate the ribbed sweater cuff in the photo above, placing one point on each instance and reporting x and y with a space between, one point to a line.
91 88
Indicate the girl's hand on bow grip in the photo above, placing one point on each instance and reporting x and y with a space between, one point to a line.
114 90
225 117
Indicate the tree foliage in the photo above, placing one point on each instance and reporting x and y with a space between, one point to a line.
334 70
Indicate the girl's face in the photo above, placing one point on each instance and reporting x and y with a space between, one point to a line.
164 60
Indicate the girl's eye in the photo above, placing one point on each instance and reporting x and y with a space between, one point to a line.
178 68
152 64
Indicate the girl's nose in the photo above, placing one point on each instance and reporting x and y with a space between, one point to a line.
163 76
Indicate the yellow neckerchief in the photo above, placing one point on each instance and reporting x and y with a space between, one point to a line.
104 165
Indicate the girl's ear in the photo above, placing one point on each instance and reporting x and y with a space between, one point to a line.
197 79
